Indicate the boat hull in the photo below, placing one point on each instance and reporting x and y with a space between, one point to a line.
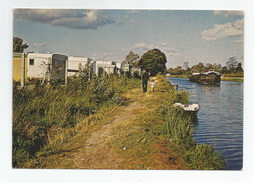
210 78
190 110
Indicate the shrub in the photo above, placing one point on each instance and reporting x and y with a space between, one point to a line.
40 110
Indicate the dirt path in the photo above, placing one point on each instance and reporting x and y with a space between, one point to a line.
94 155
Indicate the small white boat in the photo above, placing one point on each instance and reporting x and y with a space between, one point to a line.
190 109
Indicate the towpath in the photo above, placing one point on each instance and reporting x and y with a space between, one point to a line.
91 151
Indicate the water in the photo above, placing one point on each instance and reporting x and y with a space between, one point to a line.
220 118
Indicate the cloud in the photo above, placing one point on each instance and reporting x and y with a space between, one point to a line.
76 19
224 30
143 46
161 45
228 12
39 45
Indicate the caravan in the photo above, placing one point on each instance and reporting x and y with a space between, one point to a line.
74 64
42 65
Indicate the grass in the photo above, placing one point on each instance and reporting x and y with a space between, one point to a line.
239 75
161 137
44 117
52 123
236 79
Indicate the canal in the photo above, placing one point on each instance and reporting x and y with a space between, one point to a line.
220 118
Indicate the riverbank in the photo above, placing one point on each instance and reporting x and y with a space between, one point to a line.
140 131
224 78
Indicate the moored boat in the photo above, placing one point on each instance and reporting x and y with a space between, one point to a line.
210 77
190 109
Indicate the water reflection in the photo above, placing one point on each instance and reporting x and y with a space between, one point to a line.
220 118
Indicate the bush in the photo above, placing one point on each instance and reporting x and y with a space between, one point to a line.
39 111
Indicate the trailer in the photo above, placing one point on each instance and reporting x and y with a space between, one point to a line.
77 63
108 67
118 67
46 66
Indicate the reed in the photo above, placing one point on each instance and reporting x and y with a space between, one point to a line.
46 116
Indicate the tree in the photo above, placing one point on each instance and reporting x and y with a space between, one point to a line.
199 67
132 59
154 61
224 70
239 67
232 64
18 45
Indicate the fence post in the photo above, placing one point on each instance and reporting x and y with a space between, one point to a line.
66 71
23 66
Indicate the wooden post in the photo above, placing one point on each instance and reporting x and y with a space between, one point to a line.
23 66
66 71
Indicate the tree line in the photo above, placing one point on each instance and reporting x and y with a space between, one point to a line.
200 67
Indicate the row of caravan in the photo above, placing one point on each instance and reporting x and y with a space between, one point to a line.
41 64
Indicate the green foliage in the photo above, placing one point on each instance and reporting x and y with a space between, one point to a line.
18 45
204 157
39 111
132 59
200 67
154 61
179 130
177 127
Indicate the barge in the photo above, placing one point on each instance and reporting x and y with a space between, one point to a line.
210 77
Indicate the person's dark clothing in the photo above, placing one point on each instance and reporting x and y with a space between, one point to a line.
144 85
145 78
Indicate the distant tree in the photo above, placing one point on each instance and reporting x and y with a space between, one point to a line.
199 67
154 61
239 67
132 59
18 45
178 70
170 70
214 67
224 70
232 64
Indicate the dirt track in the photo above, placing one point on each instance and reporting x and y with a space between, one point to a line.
94 154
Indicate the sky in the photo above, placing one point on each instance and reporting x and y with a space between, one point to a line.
208 36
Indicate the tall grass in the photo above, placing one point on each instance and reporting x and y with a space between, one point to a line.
43 112
179 130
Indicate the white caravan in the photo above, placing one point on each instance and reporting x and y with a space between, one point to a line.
74 64
105 66
42 65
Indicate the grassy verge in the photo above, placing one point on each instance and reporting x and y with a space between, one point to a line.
44 118
236 79
161 137
50 124
179 76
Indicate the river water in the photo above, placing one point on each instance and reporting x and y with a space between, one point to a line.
220 118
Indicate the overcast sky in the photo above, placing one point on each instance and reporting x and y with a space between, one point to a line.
183 35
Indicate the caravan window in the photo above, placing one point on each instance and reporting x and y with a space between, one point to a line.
31 61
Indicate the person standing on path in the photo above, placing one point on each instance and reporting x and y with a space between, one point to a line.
145 78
